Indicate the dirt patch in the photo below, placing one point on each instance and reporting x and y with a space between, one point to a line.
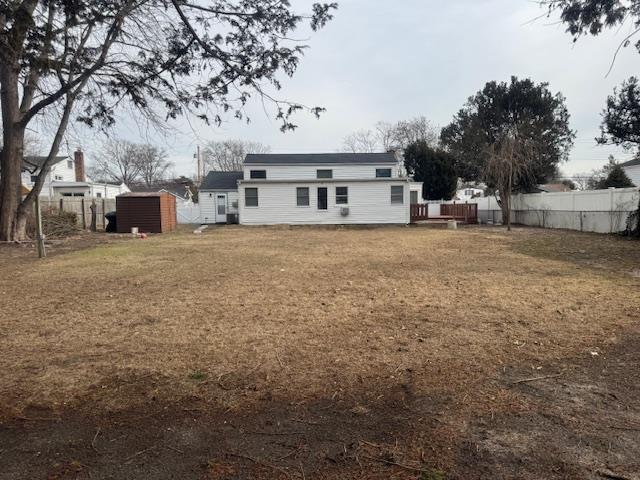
584 423
402 338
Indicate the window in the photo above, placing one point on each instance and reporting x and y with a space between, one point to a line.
397 194
34 178
322 198
302 196
324 173
468 193
98 195
383 173
342 195
258 174
57 177
250 197
70 164
414 196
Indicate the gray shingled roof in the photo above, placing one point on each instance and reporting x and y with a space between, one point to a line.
33 163
318 158
631 163
221 181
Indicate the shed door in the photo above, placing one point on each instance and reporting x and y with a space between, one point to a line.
221 208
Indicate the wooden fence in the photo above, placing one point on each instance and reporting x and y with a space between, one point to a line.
81 206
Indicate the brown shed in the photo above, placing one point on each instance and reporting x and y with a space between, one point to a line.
151 212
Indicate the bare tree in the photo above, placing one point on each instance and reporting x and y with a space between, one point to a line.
118 161
388 136
386 133
153 164
510 160
362 141
228 155
90 60
417 129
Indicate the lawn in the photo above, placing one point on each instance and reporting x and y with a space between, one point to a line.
312 353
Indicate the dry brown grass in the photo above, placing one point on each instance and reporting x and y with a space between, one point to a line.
308 313
412 333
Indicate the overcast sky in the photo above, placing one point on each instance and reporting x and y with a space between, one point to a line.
394 60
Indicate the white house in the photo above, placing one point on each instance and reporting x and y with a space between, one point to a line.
181 190
218 197
632 169
299 189
67 178
468 193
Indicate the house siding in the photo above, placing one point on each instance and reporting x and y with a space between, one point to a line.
60 170
309 172
369 203
207 202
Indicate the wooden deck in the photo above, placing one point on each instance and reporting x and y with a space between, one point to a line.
461 212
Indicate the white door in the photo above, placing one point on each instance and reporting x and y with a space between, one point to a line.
221 208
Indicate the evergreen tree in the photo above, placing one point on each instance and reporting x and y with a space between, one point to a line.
434 167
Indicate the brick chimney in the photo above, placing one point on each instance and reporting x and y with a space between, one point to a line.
78 160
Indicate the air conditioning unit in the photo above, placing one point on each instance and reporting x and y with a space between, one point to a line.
344 211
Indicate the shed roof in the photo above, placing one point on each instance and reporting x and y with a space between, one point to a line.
221 181
143 194
319 158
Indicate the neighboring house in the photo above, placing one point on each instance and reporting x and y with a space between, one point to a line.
67 178
469 193
218 197
298 189
180 190
556 187
632 169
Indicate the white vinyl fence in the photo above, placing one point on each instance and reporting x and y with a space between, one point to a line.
600 211
189 213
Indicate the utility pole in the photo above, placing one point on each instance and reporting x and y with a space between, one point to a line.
39 235
199 175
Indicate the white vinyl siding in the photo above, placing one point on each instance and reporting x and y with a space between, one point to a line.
207 203
369 203
310 172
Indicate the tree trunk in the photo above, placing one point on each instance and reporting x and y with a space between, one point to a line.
505 206
11 156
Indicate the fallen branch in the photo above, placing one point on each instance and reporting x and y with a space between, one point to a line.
395 464
623 427
535 379
613 476
93 442
130 459
279 361
260 462
174 449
